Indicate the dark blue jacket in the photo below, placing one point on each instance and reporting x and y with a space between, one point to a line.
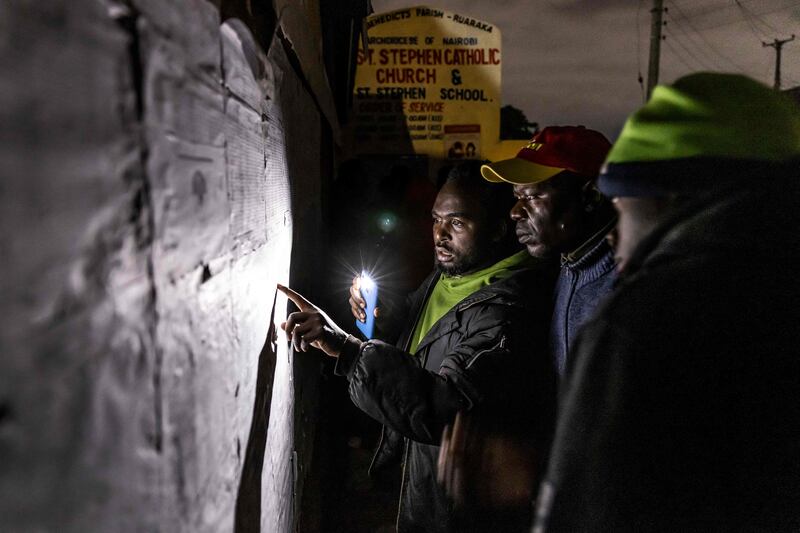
582 284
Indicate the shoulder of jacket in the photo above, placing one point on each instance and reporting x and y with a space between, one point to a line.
518 290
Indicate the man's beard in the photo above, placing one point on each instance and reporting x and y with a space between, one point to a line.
460 264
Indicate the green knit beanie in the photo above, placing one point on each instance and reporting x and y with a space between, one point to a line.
695 132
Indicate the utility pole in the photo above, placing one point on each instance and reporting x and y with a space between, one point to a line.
778 45
655 44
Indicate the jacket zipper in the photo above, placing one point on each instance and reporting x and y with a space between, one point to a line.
464 307
424 362
572 289
405 440
402 486
405 462
501 345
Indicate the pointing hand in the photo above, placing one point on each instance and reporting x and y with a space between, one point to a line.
311 326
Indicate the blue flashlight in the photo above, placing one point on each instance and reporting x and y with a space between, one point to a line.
369 291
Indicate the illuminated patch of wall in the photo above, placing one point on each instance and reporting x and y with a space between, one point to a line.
148 208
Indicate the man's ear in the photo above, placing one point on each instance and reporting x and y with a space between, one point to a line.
591 196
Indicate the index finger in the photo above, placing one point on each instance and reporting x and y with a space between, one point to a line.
296 298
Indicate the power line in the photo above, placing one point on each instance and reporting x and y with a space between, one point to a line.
704 11
685 22
707 43
691 46
748 18
761 13
733 16
723 7
751 18
759 35
680 58
698 60
685 41
746 11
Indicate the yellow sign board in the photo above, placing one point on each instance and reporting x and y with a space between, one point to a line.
427 83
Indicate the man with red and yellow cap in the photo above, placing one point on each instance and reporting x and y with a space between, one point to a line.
560 212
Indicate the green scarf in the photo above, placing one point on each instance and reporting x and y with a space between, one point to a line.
450 290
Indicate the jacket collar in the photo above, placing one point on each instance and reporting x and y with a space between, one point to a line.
503 292
590 245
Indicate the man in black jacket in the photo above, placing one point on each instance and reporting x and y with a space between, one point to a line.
470 341
681 411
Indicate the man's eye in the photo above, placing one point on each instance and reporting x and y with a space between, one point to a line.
457 223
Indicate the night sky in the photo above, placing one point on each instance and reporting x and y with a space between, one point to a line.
577 62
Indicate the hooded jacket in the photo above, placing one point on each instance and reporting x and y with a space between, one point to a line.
681 410
488 351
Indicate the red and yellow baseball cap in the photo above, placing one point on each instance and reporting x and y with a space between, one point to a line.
552 151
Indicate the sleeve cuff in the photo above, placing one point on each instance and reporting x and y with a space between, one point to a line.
348 357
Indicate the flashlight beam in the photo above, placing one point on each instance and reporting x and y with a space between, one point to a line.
366 281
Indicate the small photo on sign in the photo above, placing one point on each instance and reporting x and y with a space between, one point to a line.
462 141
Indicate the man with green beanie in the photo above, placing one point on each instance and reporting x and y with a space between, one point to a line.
682 408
